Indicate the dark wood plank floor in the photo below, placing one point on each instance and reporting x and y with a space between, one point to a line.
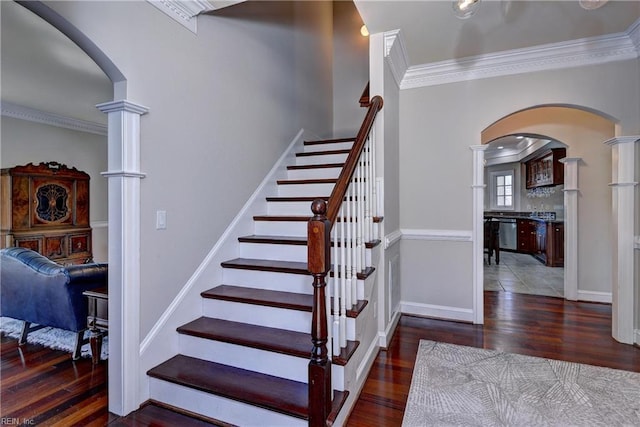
46 388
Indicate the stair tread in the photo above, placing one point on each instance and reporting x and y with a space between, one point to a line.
282 217
329 141
278 266
290 240
267 391
280 299
321 153
267 265
291 300
316 166
271 339
307 181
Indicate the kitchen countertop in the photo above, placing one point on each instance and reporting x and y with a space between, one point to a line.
521 215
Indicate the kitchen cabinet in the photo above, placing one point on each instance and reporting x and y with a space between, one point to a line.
532 236
546 170
555 244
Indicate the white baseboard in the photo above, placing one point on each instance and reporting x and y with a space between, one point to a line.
595 296
437 311
385 337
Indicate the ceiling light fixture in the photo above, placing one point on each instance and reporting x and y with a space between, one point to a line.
592 4
464 9
364 31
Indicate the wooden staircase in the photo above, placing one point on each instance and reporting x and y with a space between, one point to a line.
245 360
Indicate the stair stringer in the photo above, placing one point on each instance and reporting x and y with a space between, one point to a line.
161 343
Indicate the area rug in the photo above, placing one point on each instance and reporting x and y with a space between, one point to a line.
57 339
455 385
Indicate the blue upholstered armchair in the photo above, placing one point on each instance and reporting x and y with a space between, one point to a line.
37 290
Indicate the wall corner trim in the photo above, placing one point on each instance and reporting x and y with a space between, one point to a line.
392 238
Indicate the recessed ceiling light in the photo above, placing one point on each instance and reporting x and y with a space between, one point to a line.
500 147
519 137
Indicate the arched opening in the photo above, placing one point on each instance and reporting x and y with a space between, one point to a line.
587 212
123 218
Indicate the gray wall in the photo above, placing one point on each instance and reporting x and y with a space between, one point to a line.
350 70
438 125
223 105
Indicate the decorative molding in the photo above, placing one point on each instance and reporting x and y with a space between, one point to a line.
122 105
622 140
437 235
185 12
634 34
575 53
38 116
437 311
99 224
594 296
392 238
123 174
396 55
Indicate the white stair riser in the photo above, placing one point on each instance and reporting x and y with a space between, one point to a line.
272 317
318 173
218 407
321 159
273 251
280 228
290 208
267 362
299 283
253 359
328 147
302 190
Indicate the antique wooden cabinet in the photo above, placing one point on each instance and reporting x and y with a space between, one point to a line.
45 207
555 245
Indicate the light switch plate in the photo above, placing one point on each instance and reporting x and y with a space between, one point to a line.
161 220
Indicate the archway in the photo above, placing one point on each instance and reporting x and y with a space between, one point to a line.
124 218
589 217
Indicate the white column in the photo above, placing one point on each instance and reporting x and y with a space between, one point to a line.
623 210
124 252
478 233
571 191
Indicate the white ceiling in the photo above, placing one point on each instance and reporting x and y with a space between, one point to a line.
432 33
41 67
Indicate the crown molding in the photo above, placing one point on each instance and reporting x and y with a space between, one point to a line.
395 53
575 53
38 116
185 12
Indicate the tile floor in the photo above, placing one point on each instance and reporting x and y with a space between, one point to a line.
523 274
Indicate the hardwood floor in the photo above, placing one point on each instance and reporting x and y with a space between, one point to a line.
45 387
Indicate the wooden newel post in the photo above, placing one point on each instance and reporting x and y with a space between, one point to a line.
319 263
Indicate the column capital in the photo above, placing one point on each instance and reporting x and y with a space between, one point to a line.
622 140
478 147
122 105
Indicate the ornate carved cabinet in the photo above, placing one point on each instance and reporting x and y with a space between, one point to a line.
45 207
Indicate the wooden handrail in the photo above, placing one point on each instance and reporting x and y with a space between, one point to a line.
340 189
319 263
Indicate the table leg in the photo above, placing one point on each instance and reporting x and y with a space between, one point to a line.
95 342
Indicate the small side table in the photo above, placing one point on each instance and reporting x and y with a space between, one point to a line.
97 320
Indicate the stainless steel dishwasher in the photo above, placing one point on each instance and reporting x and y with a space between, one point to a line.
508 234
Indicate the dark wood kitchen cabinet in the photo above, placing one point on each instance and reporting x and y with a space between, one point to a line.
532 236
555 244
546 170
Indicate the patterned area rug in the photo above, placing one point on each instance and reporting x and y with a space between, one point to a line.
57 339
455 385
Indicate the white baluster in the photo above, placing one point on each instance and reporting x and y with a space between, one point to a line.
354 233
347 249
336 294
343 281
374 198
361 217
